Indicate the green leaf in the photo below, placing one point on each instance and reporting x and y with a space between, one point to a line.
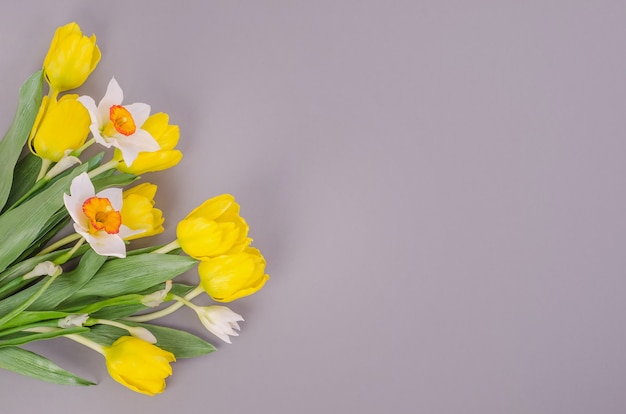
36 366
122 311
58 221
17 135
26 266
116 180
180 343
61 289
29 318
21 340
134 274
70 282
31 217
24 177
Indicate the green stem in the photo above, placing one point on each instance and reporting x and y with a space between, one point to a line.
87 342
77 152
168 247
62 242
103 168
167 311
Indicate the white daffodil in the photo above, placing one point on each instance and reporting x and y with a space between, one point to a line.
97 217
119 126
219 320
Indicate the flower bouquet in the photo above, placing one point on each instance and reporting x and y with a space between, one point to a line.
67 222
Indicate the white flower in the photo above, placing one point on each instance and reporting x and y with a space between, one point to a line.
117 125
97 216
219 320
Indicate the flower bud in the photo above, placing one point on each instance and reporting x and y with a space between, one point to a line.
139 365
213 229
71 58
230 277
138 212
60 126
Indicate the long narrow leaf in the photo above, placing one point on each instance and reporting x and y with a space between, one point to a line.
180 343
134 274
15 138
36 366
24 177
70 282
31 217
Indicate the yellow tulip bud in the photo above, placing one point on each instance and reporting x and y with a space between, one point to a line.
138 212
230 277
213 229
60 126
71 58
166 136
138 364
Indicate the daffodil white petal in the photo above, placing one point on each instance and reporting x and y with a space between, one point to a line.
106 244
81 189
126 231
113 96
139 111
131 146
114 195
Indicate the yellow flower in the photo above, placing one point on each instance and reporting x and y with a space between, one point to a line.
60 126
138 364
231 277
138 212
213 229
71 58
166 136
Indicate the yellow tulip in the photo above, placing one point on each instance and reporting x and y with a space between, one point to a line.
166 136
138 364
71 58
138 212
60 126
213 229
230 277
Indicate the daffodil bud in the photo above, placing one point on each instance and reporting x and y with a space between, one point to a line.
166 136
60 126
138 364
138 212
230 277
71 58
213 229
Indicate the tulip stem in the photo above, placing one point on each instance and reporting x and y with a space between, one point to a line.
168 247
62 242
87 342
167 311
103 168
77 152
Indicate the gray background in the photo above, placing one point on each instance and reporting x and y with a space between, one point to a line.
438 188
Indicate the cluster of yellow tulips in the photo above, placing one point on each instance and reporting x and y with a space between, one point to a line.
88 286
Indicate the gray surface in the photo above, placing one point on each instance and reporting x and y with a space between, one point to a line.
438 188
